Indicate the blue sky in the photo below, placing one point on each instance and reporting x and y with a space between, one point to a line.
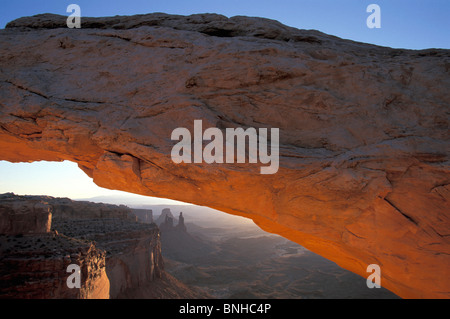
412 24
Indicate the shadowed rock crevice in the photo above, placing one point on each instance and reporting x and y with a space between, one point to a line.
362 128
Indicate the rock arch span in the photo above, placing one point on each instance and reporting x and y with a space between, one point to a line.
364 174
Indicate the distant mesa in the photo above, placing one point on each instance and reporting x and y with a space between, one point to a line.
168 224
165 213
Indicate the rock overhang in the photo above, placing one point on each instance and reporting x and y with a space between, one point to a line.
363 129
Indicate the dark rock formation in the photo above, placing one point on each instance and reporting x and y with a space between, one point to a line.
164 217
364 171
181 226
168 224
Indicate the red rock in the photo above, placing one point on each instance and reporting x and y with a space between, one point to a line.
364 169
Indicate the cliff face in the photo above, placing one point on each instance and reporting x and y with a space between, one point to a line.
24 217
363 174
33 262
133 250
118 257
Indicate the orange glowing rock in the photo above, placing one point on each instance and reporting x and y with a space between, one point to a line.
363 177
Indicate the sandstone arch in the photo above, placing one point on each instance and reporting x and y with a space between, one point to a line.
364 169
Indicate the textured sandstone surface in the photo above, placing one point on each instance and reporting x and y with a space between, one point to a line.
364 174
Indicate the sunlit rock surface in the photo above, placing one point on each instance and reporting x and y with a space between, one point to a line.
364 140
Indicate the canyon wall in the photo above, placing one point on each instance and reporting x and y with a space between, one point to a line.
24 217
133 250
118 257
364 174
34 260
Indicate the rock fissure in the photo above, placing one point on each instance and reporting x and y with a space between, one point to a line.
26 89
402 213
53 97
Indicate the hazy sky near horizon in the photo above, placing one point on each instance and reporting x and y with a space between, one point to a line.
411 24
60 179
